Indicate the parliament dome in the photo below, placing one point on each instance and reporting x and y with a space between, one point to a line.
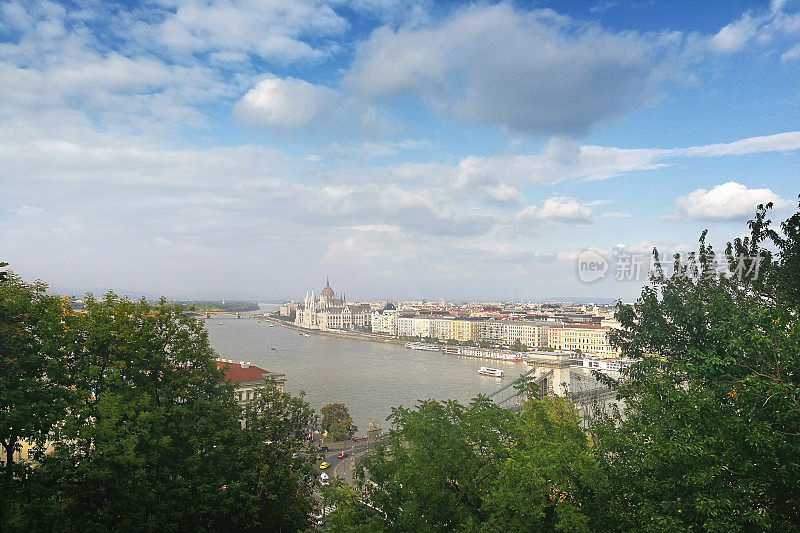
327 292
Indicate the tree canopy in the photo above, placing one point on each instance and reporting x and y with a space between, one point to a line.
705 439
145 433
336 420
709 439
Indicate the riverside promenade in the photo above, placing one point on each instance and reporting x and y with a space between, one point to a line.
344 334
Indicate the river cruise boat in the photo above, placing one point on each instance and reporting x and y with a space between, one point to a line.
422 346
484 353
494 372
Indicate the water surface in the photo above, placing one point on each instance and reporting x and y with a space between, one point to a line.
368 377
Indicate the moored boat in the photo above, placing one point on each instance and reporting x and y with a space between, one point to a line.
484 353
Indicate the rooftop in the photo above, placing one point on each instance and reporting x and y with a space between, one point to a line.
242 372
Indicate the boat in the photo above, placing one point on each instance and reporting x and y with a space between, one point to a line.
493 372
272 325
220 323
484 353
306 335
422 346
273 349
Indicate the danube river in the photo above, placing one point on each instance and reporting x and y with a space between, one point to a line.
368 377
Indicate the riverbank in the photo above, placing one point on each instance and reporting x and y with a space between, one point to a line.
342 334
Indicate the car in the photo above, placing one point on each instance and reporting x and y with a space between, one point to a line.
324 479
341 455
324 465
322 449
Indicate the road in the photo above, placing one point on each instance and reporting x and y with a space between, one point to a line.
343 468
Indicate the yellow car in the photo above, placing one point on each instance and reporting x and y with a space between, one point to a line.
323 465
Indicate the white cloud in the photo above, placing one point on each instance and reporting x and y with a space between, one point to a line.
615 214
283 103
735 35
564 160
371 150
557 209
494 65
279 31
780 142
727 201
791 53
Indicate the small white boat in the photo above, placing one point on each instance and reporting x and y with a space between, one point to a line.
306 335
272 325
220 323
486 371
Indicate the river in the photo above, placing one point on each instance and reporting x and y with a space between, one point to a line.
368 377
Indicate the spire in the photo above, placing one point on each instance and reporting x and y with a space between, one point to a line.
327 281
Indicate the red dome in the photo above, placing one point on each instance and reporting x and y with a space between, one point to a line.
327 292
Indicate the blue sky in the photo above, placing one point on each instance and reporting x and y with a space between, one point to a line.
249 149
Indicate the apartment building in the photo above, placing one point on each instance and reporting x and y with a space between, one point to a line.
464 329
415 326
589 339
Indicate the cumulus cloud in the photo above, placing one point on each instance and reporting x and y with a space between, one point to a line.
494 65
727 201
557 209
279 31
735 35
283 103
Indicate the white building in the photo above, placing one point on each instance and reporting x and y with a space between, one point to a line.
330 313
385 321
415 326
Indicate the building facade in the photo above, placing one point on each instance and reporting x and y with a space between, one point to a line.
331 313
249 380
588 339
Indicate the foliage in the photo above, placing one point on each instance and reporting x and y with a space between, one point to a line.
268 487
709 440
336 420
479 467
152 440
221 306
34 395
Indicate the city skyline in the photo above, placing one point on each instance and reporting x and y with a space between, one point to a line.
242 149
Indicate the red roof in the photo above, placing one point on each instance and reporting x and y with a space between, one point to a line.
235 372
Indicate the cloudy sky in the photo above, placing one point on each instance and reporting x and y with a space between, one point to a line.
405 149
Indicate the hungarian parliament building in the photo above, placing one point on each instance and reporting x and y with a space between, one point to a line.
331 313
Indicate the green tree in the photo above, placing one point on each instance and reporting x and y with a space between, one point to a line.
549 477
450 467
155 442
272 473
34 392
336 420
518 346
709 438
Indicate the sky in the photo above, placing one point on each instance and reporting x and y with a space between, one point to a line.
406 150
